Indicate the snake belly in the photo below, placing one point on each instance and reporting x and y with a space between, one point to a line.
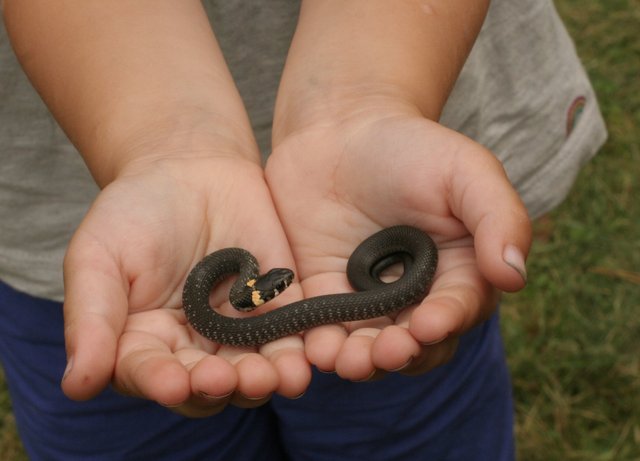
374 298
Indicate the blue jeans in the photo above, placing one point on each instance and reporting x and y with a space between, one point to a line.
461 411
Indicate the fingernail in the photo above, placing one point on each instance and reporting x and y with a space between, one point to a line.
402 367
363 380
214 398
435 341
170 405
514 258
326 372
255 399
68 368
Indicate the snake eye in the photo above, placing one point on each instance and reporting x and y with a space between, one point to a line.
285 277
276 280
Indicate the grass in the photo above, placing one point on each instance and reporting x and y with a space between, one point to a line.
573 335
10 445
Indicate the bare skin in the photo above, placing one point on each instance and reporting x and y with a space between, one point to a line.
154 112
358 147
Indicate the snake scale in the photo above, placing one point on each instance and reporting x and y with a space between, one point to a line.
373 298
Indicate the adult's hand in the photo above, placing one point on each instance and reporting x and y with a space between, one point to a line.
124 274
358 148
142 90
335 184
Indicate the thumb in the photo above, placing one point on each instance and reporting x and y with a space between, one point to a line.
95 310
489 206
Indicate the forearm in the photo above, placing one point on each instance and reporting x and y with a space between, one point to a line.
409 50
124 78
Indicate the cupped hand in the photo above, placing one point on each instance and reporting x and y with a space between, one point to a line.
336 182
124 273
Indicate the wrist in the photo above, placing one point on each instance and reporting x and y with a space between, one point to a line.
344 105
346 51
196 136
131 80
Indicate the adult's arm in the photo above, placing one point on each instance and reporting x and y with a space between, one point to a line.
142 90
356 121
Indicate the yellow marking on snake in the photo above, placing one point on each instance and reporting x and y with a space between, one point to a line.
256 298
251 283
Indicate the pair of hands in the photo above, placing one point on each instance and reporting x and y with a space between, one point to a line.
325 188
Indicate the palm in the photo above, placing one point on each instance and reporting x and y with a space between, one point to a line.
336 185
144 233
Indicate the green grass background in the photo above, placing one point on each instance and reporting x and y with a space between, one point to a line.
573 335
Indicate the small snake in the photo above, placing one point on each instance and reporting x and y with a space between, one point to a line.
374 298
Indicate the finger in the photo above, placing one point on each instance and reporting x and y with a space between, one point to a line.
95 311
157 375
288 358
354 360
394 349
323 344
147 368
431 357
213 381
459 299
484 199
212 377
257 377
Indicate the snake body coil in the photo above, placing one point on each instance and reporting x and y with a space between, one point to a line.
374 298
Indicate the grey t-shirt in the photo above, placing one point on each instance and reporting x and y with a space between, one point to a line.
522 93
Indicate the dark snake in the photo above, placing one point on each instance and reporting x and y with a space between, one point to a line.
373 298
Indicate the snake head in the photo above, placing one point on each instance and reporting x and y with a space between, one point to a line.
261 289
273 283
